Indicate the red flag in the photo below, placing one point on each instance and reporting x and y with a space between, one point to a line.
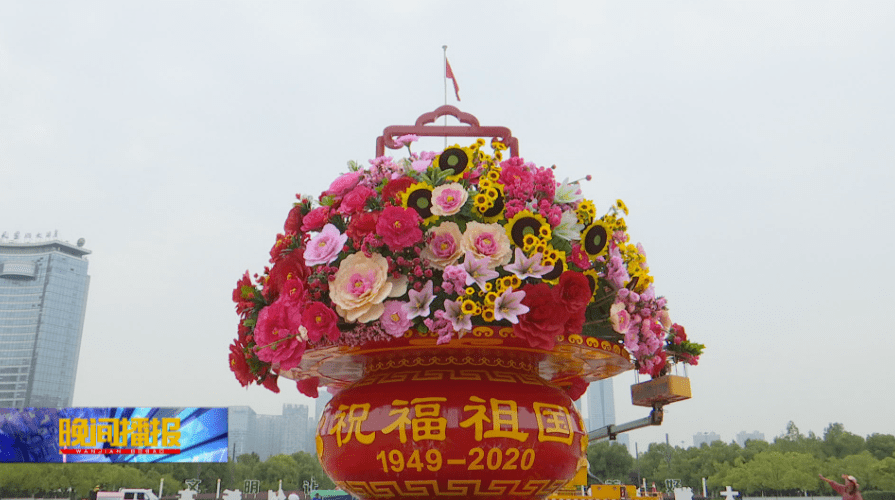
450 74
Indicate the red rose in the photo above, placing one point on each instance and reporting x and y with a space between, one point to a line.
354 201
395 187
545 319
293 220
361 225
315 219
399 228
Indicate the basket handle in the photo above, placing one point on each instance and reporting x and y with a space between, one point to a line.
471 129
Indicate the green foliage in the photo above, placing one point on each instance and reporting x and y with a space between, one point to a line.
610 461
878 495
881 445
840 443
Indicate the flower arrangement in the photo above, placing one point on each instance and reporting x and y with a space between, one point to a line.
440 242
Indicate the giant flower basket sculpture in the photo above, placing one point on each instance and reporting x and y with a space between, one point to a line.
455 303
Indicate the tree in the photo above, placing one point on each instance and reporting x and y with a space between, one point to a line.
881 445
610 461
840 443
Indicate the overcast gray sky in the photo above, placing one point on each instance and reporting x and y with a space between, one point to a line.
752 142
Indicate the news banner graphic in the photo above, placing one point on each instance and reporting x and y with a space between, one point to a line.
113 435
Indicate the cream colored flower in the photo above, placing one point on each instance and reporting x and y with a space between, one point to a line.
448 199
360 286
487 241
443 247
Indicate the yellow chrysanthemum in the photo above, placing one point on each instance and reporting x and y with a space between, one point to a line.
488 314
619 204
493 175
556 260
468 307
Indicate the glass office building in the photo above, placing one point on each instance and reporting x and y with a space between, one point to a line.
43 298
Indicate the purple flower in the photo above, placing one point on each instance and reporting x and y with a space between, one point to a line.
419 301
508 306
477 270
525 267
325 247
453 311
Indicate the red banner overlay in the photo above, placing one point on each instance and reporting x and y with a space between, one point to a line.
119 451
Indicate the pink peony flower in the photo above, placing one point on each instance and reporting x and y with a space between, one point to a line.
487 241
325 247
443 248
405 140
394 319
448 199
359 287
619 317
399 228
343 184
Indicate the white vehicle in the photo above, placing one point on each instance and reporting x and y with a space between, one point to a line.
126 494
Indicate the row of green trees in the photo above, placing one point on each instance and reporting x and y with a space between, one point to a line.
787 466
75 481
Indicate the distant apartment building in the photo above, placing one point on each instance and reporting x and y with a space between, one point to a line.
742 437
43 300
269 435
701 438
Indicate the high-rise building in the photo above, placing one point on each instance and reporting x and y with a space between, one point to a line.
43 298
268 435
600 404
744 436
701 438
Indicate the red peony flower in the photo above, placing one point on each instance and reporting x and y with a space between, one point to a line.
276 334
320 320
392 190
354 201
243 295
576 390
658 364
308 386
238 364
293 220
399 228
315 219
573 292
270 383
361 225
291 266
545 319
